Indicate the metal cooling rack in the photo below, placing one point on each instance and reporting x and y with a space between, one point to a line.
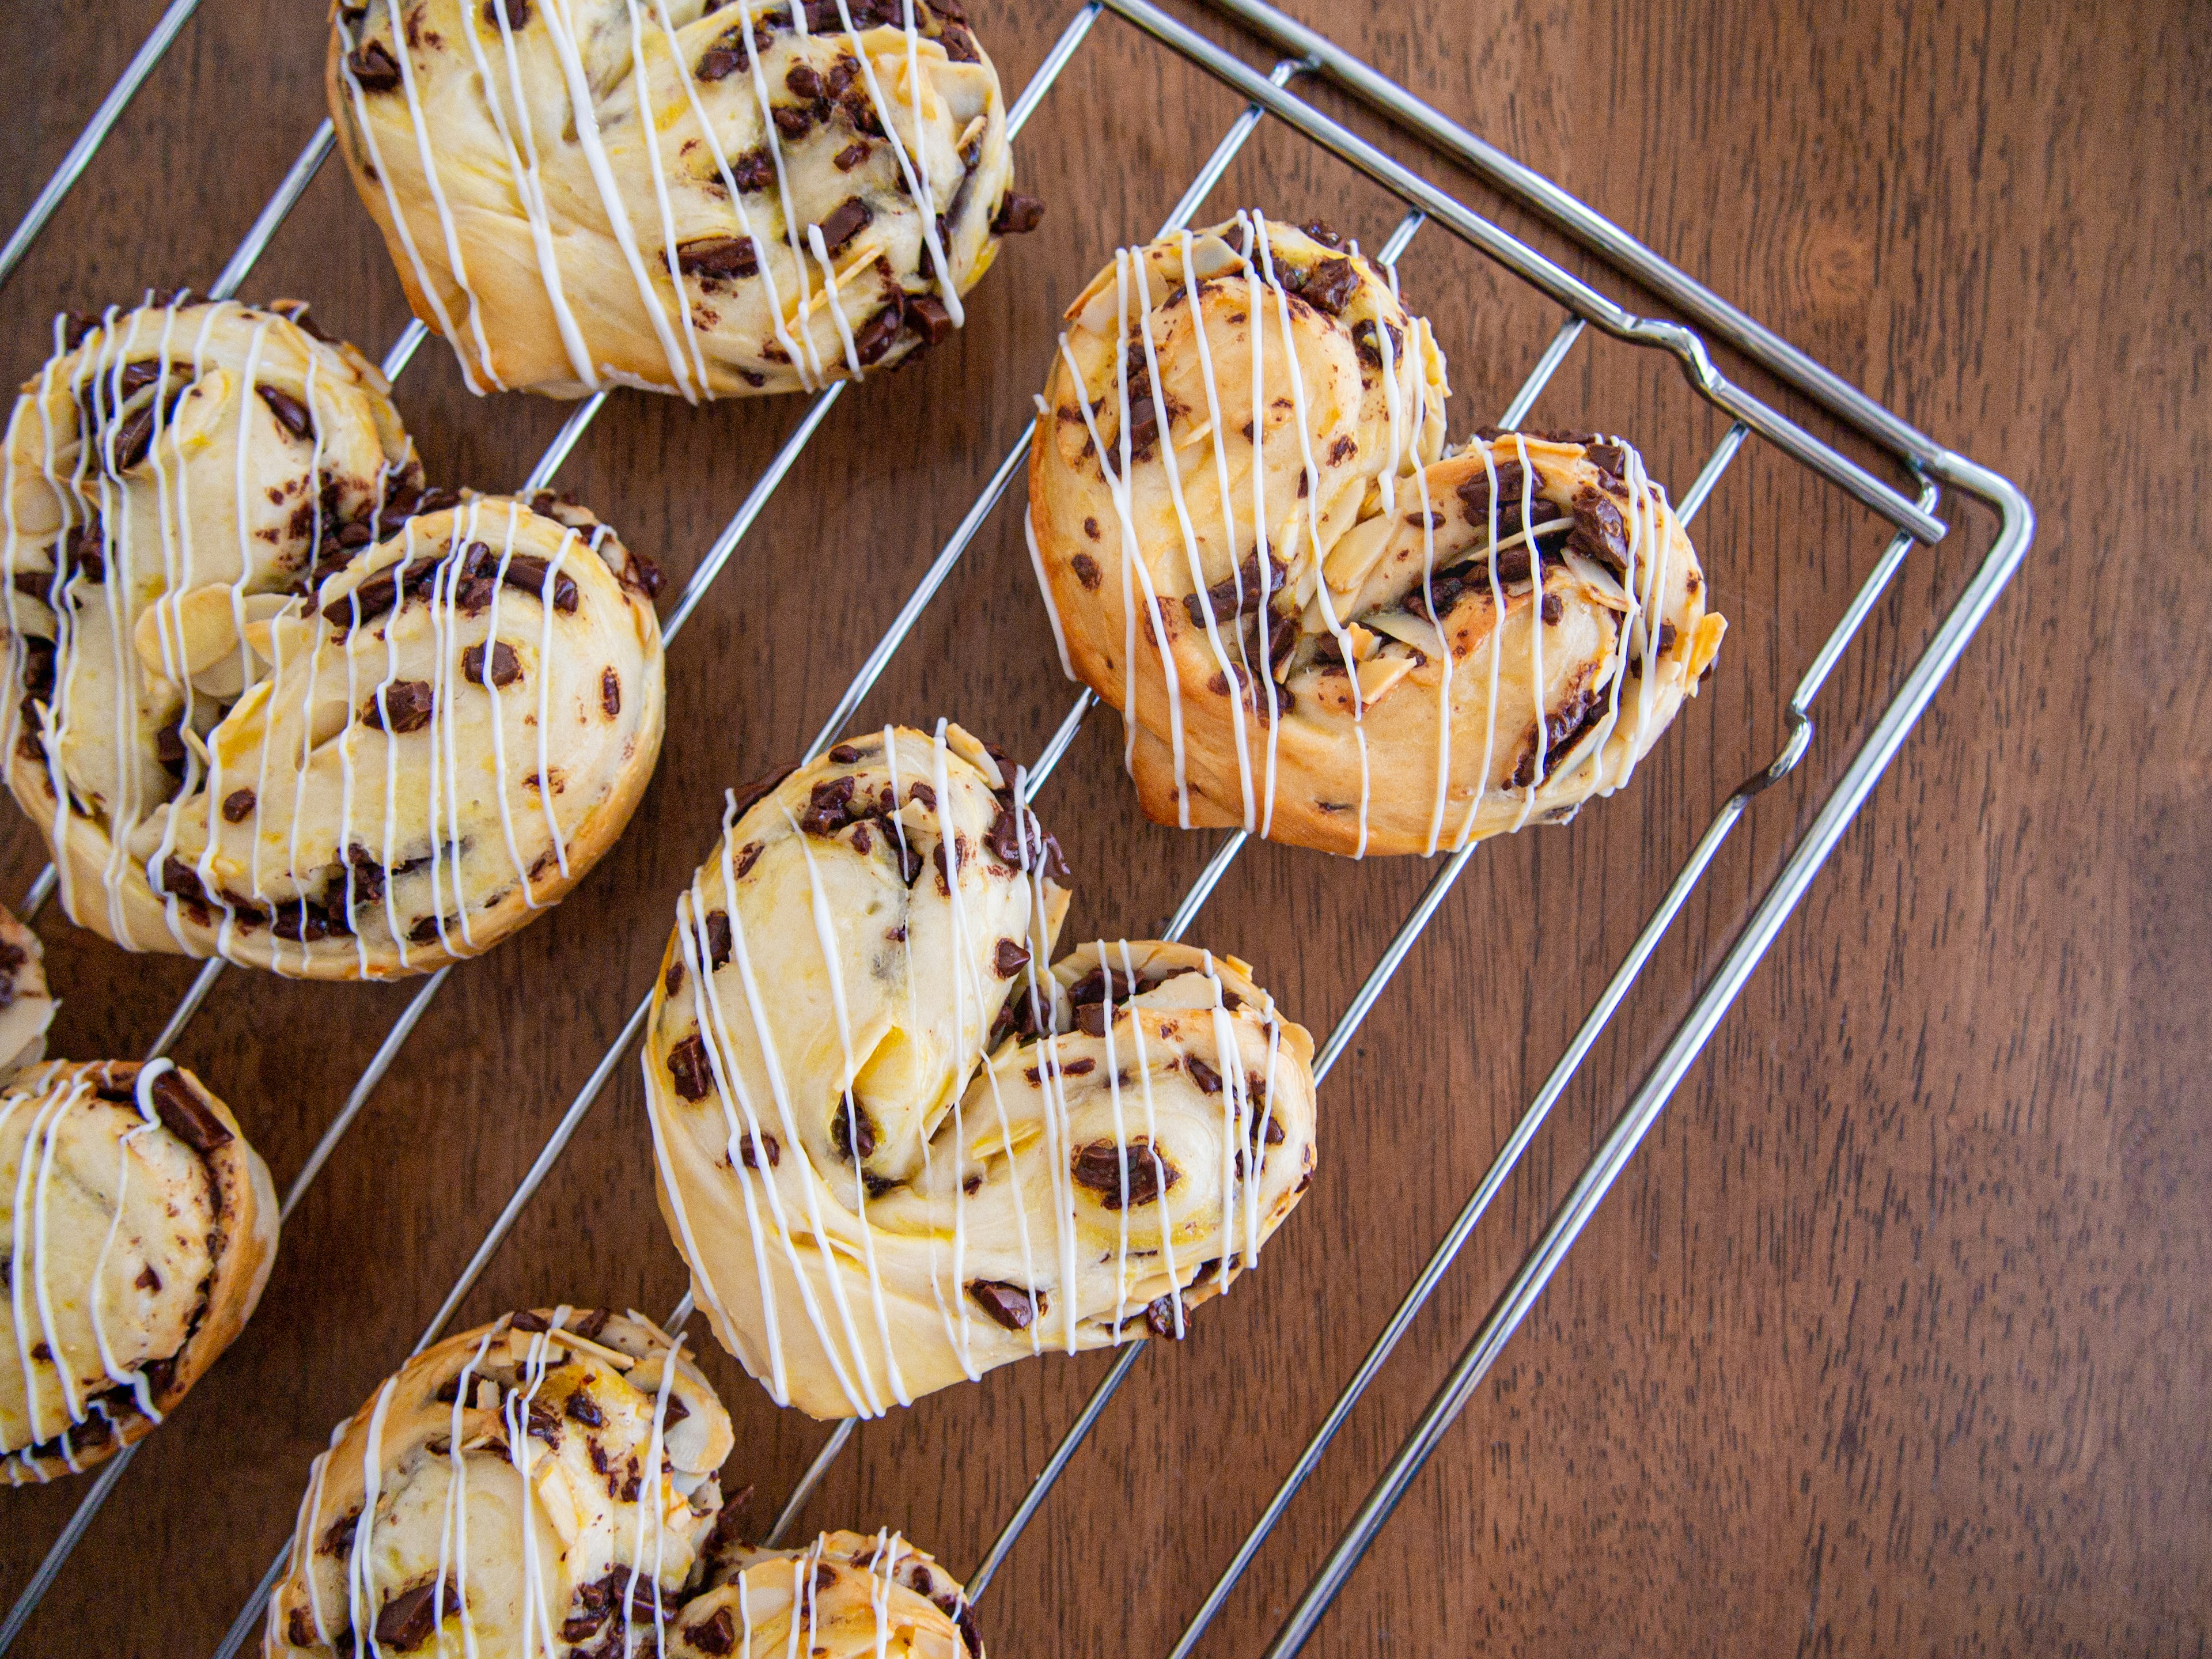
1932 467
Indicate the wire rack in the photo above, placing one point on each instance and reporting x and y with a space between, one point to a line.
1931 466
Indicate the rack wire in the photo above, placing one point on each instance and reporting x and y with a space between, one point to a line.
1932 466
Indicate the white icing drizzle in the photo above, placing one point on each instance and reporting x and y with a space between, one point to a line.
1263 561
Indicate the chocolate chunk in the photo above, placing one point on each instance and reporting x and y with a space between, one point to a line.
1018 216
1343 450
717 938
1099 1167
409 1618
1010 958
846 220
506 668
803 82
372 64
845 755
1552 608
85 546
717 1635
1329 284
1159 1317
1599 534
792 121
1322 232
540 1423
529 574
923 796
517 13
528 1319
1090 1020
300 1629
186 1115
675 1412
852 156
755 1146
851 1129
881 331
688 1068
399 706
718 63
926 315
718 256
610 693
829 807
1513 486
747 856
1086 571
424 932
291 414
1202 1074
1009 1304
582 1408
1613 457
238 805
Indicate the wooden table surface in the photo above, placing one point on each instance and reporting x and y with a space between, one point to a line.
1892 1339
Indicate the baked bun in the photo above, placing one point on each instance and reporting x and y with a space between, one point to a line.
255 715
871 1209
142 1227
27 1008
539 1487
762 232
845 1597
1356 689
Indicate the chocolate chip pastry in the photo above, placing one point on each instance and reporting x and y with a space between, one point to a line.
538 1487
140 1227
276 702
1426 644
27 1008
896 1148
709 199
846 1595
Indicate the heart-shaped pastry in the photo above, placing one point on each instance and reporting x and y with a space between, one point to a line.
539 1487
896 1148
1439 644
715 200
141 1228
277 702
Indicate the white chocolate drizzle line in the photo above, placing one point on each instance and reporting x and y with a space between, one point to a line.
649 128
422 282
691 923
913 170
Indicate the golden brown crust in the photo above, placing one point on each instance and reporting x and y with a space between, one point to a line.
181 1113
1338 693
850 1595
643 264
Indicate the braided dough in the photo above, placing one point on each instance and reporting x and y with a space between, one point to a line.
141 1228
844 1596
897 1151
538 1487
761 232
1416 609
276 702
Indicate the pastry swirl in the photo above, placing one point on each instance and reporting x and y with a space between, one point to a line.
896 1149
1427 645
276 701
816 186
846 1595
538 1487
141 1228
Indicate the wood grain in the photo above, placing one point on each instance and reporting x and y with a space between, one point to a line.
1893 1339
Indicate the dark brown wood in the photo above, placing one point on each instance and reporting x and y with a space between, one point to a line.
1893 1340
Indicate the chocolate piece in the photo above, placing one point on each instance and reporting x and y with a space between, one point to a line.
1159 1318
1008 1304
1329 284
410 1619
186 1115
517 13
852 156
1010 958
717 1635
399 707
1322 232
846 220
756 1145
852 1130
506 668
582 1408
291 414
1086 571
1513 487
528 1320
717 938
1208 1079
760 788
688 1068
718 256
1017 215
1099 1167
373 66
238 805
610 693
880 332
1599 534
927 316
